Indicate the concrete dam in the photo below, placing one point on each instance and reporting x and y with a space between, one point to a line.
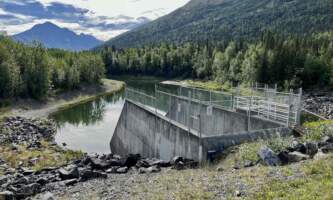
169 124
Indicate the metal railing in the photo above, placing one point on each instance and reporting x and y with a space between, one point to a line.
191 106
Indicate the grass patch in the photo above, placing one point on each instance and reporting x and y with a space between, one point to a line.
317 183
249 151
317 130
179 185
47 156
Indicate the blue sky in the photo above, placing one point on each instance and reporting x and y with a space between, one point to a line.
102 18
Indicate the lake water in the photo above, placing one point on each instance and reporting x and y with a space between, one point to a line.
89 126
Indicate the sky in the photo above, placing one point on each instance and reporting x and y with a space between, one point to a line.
102 18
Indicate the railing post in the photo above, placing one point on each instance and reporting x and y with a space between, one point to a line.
170 107
200 137
249 115
288 118
155 99
189 111
299 109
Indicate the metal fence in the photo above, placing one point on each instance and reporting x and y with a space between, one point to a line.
197 108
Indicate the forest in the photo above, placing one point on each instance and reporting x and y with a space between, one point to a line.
218 20
36 72
289 61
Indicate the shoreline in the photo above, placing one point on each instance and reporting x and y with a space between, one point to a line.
33 109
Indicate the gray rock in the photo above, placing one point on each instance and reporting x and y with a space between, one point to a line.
269 157
87 174
3 180
70 182
179 166
296 157
327 139
29 190
42 181
248 163
112 170
161 163
296 146
176 159
131 160
99 164
327 148
311 148
70 172
152 169
122 170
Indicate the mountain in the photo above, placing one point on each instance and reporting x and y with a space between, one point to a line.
231 19
53 36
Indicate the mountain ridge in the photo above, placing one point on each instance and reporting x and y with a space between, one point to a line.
200 20
53 36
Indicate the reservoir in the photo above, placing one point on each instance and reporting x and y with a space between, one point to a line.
88 127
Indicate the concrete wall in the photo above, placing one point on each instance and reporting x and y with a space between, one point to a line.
140 131
225 141
221 122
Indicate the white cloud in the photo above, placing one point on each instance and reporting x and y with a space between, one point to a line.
133 8
107 12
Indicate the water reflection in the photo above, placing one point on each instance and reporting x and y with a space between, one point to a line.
89 113
89 126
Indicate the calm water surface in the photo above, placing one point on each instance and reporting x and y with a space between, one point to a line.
89 127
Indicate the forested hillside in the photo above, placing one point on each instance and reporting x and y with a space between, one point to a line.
35 71
217 20
289 61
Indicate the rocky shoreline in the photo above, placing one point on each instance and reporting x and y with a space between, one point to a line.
22 181
320 103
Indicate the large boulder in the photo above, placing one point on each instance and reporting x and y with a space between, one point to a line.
268 156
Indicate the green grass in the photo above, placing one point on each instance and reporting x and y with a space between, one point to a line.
315 131
48 156
249 151
316 183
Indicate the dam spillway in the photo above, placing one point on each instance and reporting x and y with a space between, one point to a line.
168 125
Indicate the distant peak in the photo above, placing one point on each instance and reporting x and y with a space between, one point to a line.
47 24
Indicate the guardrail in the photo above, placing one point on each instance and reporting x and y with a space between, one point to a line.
255 106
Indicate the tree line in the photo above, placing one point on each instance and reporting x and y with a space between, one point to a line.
289 61
35 72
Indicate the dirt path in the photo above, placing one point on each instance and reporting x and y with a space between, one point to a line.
32 108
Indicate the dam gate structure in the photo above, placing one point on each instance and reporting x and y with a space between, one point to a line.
196 123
